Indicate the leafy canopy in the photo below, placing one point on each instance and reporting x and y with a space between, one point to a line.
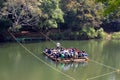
111 5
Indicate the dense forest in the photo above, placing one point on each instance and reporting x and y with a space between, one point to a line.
60 19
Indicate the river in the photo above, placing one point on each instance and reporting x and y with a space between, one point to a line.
17 63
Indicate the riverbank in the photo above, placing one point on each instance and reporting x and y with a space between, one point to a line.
116 35
113 36
26 36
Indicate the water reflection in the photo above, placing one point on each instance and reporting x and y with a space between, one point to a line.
66 66
71 66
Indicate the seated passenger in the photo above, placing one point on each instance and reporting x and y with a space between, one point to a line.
62 56
49 51
84 54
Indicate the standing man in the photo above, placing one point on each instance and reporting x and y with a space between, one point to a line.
58 45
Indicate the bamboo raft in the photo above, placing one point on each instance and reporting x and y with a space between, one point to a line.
76 60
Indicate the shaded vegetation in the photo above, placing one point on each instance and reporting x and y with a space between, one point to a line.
71 19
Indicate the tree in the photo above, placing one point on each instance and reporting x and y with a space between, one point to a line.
89 13
52 14
40 13
80 13
22 12
112 15
111 5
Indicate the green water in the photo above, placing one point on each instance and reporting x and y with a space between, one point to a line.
18 64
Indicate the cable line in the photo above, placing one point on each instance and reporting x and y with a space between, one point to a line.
104 65
101 75
89 59
115 69
40 58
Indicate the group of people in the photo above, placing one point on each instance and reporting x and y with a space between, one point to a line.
64 53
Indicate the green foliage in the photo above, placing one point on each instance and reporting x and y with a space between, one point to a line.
116 35
75 17
100 33
79 13
52 14
88 32
112 17
111 6
85 33
21 13
58 15
51 23
111 21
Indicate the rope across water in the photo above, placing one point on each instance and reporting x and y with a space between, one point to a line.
101 75
94 61
115 70
90 59
41 59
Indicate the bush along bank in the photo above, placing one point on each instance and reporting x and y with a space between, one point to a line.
116 35
83 34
